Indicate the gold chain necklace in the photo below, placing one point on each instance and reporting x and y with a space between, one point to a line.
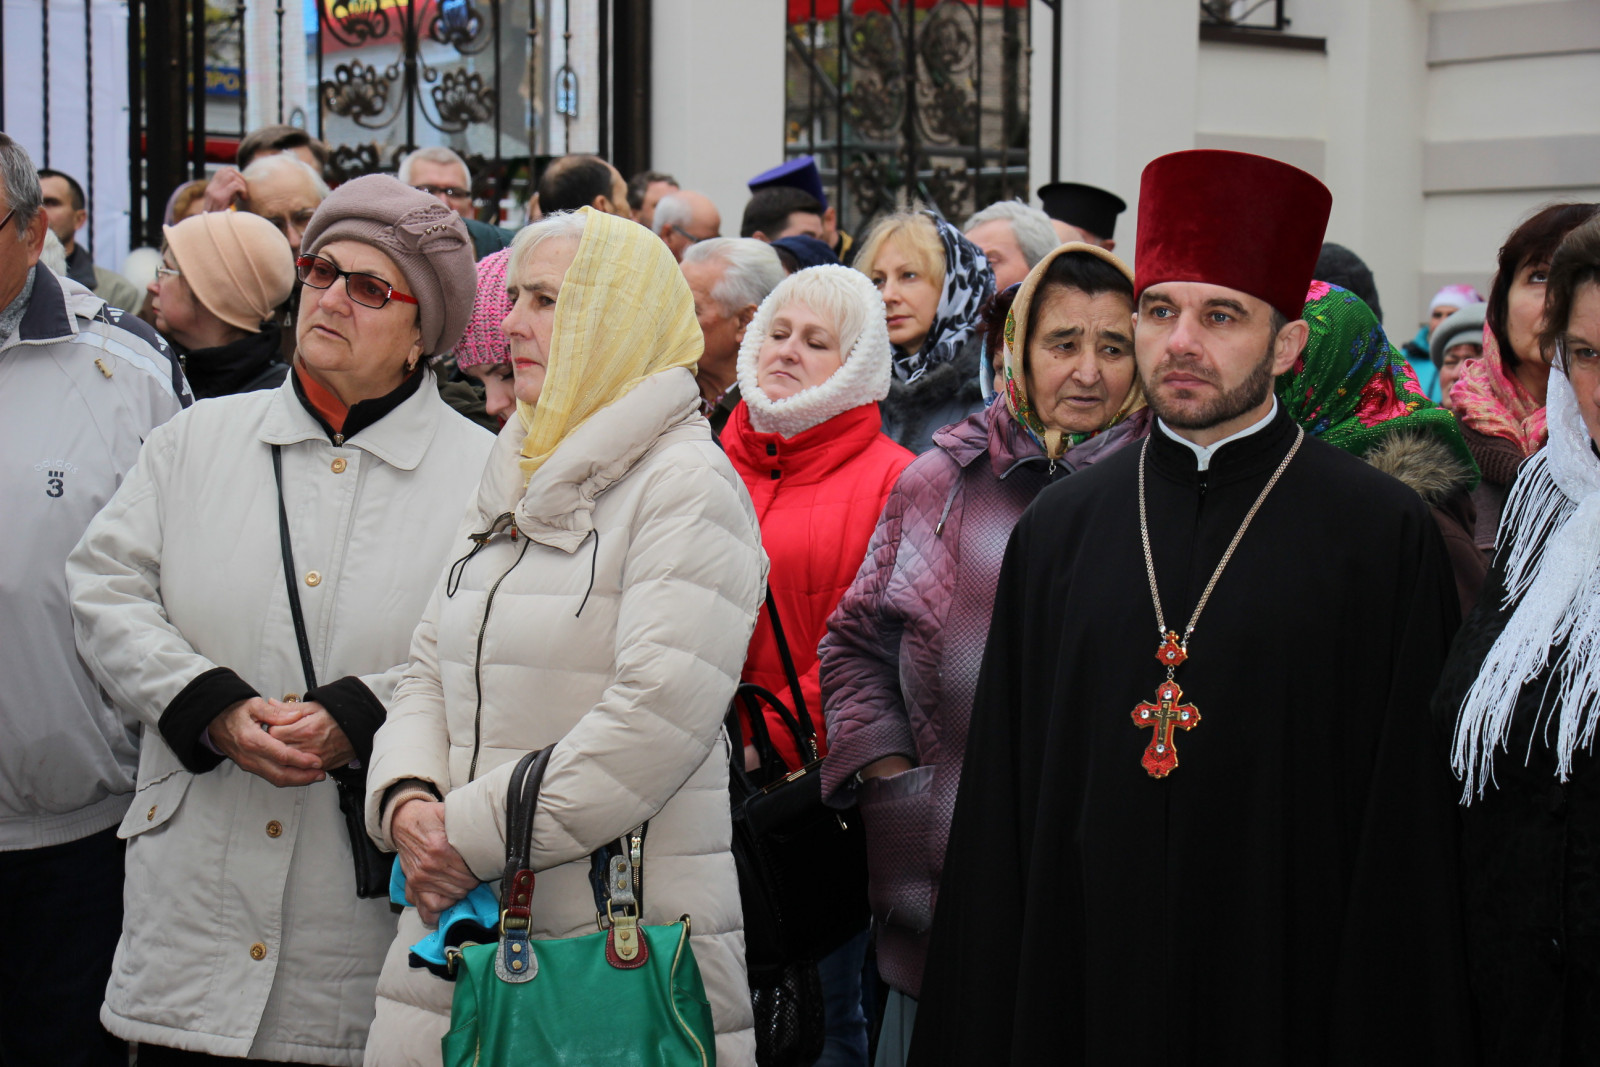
1169 712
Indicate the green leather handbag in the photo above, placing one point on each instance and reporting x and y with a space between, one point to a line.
628 995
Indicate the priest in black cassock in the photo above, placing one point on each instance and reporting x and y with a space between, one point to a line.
1204 818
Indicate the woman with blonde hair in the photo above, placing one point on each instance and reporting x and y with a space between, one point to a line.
934 283
601 604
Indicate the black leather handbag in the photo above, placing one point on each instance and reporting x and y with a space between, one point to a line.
803 865
373 866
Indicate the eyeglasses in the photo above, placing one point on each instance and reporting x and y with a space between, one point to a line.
368 290
691 238
163 270
451 191
7 219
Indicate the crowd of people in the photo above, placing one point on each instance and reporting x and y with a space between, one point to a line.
346 501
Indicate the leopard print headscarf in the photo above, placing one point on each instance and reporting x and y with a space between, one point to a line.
968 284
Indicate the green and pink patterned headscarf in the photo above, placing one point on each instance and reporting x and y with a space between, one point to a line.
1350 386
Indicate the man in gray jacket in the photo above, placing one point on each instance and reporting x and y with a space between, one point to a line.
81 386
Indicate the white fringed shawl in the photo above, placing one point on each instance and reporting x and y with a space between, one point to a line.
1551 531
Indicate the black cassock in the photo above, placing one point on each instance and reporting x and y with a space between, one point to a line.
1289 893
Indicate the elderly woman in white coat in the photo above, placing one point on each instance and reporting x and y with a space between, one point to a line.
244 935
607 613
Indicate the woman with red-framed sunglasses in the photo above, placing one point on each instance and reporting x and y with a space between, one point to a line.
298 533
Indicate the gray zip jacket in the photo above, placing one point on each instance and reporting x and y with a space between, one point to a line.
81 386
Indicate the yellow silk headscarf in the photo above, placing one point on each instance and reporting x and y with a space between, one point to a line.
624 313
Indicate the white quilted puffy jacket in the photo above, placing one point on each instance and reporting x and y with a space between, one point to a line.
614 624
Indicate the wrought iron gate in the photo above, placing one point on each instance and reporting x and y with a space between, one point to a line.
506 83
910 99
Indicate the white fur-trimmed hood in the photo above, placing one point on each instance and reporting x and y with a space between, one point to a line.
862 379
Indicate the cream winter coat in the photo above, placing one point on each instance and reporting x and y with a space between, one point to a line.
618 622
243 935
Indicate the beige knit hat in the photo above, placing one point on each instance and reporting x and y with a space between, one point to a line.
237 264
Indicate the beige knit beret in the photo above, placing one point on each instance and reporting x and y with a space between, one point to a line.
237 264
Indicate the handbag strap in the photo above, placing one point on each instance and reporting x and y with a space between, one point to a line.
522 796
805 733
617 869
288 575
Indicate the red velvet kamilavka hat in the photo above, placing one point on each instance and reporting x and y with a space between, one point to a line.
1229 218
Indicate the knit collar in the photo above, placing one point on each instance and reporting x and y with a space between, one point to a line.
863 378
1550 544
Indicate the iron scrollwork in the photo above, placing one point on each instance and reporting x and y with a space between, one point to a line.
449 100
358 92
460 99
911 101
355 22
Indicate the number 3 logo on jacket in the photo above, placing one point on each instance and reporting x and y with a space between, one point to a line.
55 473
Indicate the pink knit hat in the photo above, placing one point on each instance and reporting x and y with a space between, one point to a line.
482 342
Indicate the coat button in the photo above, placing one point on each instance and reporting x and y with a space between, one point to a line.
313 577
338 466
274 828
150 816
258 951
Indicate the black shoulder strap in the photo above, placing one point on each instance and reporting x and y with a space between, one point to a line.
289 574
807 732
522 795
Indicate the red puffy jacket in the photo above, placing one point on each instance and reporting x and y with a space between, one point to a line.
818 496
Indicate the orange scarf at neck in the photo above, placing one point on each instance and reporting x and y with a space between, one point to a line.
323 399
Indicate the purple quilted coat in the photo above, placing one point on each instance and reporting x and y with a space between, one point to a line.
900 660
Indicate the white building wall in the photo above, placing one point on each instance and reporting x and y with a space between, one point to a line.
1129 73
717 96
1509 126
1438 124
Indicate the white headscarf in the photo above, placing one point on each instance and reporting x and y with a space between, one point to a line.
1551 532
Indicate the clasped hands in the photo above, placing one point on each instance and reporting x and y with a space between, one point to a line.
283 743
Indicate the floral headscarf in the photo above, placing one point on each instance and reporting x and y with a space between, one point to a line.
968 284
1494 403
1350 386
1054 442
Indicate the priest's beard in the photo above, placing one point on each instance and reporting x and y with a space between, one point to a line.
1227 404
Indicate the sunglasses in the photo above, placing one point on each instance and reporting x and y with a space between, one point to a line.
368 290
